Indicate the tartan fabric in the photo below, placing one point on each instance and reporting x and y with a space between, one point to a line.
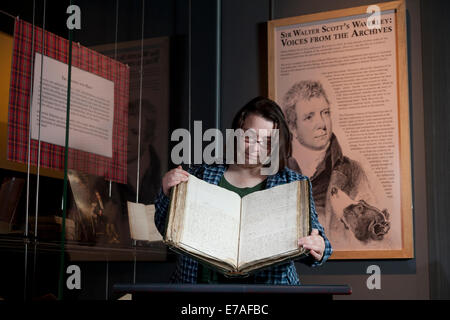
52 156
282 274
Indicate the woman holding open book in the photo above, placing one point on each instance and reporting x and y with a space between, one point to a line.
260 116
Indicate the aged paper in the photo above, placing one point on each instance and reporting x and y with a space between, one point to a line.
211 219
91 107
269 223
142 224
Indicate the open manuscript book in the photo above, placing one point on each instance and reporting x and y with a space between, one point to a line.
234 235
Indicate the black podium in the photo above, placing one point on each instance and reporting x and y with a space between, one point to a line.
227 292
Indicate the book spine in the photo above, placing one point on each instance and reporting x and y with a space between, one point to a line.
239 237
181 208
307 216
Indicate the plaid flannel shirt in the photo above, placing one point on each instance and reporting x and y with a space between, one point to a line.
284 273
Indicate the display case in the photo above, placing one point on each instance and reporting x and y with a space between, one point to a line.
89 93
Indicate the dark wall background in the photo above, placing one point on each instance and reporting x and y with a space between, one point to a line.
243 75
436 82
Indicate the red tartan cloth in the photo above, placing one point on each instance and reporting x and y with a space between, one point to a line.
52 156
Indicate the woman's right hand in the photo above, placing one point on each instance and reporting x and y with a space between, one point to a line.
172 178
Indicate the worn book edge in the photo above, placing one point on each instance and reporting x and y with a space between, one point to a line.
175 214
303 196
239 237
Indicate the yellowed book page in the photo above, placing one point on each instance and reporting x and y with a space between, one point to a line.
269 223
141 219
211 220
227 264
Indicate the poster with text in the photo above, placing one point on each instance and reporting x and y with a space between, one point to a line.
341 79
37 109
91 107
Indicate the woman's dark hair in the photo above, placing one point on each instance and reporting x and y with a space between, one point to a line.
269 110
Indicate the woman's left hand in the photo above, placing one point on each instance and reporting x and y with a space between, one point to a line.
314 243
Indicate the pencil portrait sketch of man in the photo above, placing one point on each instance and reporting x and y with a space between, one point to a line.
345 204
147 156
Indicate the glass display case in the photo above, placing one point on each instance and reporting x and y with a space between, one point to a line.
90 91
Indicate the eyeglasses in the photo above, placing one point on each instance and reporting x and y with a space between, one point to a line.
252 138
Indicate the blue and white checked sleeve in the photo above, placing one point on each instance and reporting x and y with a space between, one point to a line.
161 208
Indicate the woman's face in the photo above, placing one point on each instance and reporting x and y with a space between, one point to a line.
257 139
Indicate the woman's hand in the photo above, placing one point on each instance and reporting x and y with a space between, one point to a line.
172 178
314 243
